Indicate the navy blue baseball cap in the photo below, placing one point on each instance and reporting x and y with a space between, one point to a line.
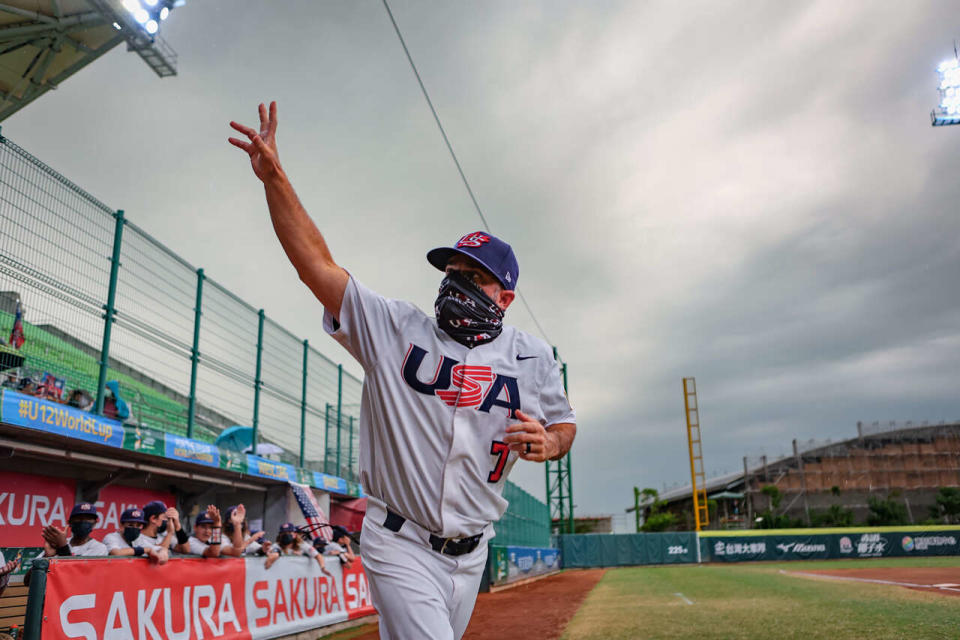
84 509
154 508
490 251
288 527
203 518
134 514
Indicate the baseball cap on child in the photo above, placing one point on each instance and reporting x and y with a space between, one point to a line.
133 514
154 508
83 509
492 252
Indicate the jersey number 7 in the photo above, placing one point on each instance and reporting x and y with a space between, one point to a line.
501 450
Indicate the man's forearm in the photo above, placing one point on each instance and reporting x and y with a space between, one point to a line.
563 433
304 244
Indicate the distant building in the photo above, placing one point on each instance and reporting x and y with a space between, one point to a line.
904 461
591 524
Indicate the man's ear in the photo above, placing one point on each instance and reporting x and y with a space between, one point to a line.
506 297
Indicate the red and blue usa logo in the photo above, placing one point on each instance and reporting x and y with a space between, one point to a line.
461 385
475 239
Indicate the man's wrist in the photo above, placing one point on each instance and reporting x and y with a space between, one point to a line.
276 179
556 449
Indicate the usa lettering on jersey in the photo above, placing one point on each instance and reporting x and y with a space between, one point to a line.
460 385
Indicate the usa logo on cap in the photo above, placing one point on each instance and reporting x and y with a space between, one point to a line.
475 239
85 506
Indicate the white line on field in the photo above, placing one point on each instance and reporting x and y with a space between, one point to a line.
684 598
823 576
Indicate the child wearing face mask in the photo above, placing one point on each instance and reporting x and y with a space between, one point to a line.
130 541
83 517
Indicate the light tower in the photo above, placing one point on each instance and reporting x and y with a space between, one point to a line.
948 111
44 42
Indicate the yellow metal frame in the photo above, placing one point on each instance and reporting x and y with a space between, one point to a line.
701 513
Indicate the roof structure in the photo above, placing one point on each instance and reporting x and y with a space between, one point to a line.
44 42
732 482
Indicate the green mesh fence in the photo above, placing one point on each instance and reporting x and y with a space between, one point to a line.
58 246
57 249
525 523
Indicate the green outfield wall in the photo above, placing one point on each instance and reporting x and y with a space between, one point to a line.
617 550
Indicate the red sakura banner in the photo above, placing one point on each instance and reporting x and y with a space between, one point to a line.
198 599
28 503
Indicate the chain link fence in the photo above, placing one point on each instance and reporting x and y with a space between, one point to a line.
101 300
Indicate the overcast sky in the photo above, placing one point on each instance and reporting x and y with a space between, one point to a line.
749 193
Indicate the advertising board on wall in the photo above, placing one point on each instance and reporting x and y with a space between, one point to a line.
855 544
510 564
44 415
197 599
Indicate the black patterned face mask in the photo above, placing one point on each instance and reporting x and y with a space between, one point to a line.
466 313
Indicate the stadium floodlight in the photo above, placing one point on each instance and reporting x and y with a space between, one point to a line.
139 22
948 111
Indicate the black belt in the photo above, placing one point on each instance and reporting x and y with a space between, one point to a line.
449 546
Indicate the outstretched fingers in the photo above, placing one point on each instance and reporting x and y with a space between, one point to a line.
273 117
246 146
245 130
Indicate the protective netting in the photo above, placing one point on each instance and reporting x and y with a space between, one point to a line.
58 246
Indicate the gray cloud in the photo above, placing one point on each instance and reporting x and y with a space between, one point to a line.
748 193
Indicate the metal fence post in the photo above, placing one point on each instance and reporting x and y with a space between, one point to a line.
303 405
339 413
570 525
353 476
109 309
326 438
195 355
257 383
33 620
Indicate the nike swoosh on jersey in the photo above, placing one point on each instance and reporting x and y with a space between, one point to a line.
519 357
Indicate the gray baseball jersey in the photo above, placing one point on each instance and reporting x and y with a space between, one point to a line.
434 412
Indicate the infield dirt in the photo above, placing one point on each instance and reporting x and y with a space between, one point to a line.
941 580
538 610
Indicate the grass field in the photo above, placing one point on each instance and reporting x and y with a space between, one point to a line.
757 601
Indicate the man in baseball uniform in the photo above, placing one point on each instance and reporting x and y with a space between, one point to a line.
449 404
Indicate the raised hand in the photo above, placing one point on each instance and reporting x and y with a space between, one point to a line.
214 514
54 536
262 145
9 567
238 514
174 516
